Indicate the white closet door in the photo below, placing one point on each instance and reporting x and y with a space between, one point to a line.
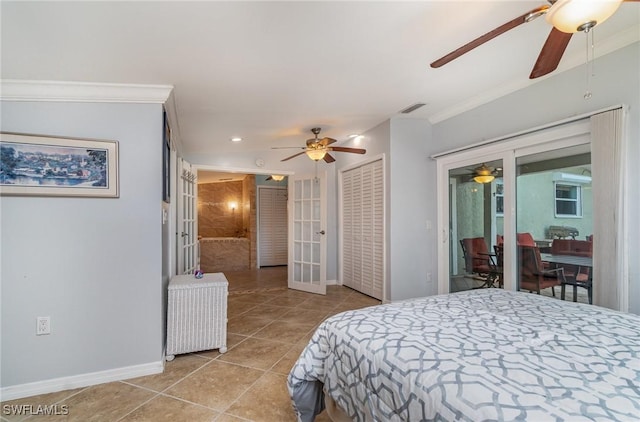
377 236
357 229
272 226
367 261
347 234
363 229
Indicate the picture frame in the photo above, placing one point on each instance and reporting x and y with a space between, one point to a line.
40 165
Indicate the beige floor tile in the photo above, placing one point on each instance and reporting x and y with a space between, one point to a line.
267 311
232 341
256 353
104 402
216 385
285 364
285 301
240 308
34 401
229 418
174 371
246 325
285 331
305 315
168 409
267 400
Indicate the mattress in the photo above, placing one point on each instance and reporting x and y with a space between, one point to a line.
486 354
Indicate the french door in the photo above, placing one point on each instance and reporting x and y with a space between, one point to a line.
307 240
186 233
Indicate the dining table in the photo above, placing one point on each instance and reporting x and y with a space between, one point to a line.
575 260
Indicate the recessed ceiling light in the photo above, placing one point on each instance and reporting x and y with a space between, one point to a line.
236 139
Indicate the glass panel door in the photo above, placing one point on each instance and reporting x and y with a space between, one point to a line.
475 219
555 223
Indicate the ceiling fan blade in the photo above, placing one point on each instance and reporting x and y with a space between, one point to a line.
487 37
328 158
327 141
345 149
269 178
294 156
551 53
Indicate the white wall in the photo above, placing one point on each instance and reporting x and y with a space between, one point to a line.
560 96
94 265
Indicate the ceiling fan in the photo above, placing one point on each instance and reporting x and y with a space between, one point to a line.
566 16
485 174
318 149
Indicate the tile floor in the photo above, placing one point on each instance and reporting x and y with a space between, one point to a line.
267 330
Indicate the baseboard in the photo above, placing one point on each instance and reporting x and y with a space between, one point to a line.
332 282
77 381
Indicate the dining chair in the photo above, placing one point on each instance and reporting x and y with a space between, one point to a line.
478 260
532 275
575 275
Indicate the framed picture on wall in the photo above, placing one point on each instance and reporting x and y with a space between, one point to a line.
37 165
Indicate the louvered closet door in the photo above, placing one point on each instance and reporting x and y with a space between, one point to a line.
378 229
366 243
356 225
347 225
272 226
363 229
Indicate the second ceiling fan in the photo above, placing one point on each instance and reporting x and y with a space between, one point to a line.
566 16
318 149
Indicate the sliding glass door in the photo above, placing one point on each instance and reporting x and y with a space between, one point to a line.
554 222
534 184
476 209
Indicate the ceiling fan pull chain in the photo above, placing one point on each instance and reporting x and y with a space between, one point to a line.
589 65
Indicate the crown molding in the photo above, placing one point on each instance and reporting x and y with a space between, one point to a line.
62 91
603 47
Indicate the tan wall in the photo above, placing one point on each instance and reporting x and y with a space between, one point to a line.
216 219
215 216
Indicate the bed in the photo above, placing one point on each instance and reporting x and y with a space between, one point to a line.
485 354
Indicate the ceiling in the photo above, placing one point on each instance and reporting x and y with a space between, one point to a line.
270 71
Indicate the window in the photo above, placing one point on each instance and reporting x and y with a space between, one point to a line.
499 198
568 200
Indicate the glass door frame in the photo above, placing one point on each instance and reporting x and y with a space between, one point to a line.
506 149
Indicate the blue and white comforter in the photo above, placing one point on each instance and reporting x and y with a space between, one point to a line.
486 354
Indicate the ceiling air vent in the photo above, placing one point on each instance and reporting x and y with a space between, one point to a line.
411 108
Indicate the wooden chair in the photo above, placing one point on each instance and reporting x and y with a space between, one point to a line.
478 260
533 276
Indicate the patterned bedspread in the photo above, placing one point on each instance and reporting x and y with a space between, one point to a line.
485 354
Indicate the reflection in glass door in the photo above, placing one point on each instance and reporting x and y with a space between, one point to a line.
475 219
555 223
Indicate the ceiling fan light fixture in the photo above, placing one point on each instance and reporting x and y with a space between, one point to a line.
277 177
484 178
316 154
578 15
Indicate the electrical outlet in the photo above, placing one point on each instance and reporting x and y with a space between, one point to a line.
43 326
429 277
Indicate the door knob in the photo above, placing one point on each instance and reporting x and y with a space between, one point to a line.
320 232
